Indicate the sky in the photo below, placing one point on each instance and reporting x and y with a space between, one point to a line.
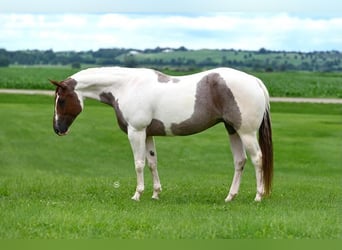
81 25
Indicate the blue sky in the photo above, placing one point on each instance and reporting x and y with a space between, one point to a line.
245 24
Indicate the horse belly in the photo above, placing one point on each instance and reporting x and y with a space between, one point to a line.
193 125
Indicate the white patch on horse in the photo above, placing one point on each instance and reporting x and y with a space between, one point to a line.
56 113
174 103
80 98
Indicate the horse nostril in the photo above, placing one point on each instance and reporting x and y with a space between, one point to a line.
56 131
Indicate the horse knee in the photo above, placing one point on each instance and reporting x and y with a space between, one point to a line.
152 166
139 166
152 163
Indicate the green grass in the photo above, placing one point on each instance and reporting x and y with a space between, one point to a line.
79 186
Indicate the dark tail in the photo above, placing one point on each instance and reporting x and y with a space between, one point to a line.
266 145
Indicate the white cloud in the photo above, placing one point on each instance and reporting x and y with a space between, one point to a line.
121 21
222 30
77 21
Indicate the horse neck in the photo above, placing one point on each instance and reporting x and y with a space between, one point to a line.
92 83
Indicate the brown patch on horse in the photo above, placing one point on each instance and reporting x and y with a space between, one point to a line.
214 103
162 78
67 83
155 128
109 99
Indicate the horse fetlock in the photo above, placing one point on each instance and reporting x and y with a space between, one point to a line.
140 189
157 188
156 191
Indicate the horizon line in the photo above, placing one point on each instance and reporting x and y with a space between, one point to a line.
264 49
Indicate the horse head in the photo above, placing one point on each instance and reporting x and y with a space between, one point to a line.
68 105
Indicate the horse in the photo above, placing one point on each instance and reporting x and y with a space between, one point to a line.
149 103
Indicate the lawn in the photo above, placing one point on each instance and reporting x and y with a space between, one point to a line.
79 186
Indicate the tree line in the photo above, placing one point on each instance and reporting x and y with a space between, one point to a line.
263 59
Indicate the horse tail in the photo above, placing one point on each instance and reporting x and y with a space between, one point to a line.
266 145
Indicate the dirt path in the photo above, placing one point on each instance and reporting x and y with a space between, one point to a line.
273 99
26 92
307 100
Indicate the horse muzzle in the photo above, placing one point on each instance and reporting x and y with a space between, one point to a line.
60 129
61 133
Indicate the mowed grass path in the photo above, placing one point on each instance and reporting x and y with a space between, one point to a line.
79 186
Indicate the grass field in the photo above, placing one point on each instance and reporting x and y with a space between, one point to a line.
79 186
288 84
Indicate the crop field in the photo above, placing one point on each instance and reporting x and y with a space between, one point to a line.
32 77
282 84
79 186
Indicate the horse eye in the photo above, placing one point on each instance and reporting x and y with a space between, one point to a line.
61 102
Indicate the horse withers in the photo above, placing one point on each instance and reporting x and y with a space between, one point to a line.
149 103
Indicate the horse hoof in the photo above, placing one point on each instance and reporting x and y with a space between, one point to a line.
155 196
257 198
230 197
136 197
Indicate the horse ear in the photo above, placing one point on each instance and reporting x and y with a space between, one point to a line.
58 84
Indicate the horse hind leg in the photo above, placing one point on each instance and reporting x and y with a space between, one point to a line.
251 144
151 156
240 158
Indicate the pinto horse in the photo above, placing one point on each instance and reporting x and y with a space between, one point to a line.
149 103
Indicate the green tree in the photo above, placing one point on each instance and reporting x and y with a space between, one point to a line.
129 61
4 61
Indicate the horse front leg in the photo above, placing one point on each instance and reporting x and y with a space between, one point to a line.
151 156
137 139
